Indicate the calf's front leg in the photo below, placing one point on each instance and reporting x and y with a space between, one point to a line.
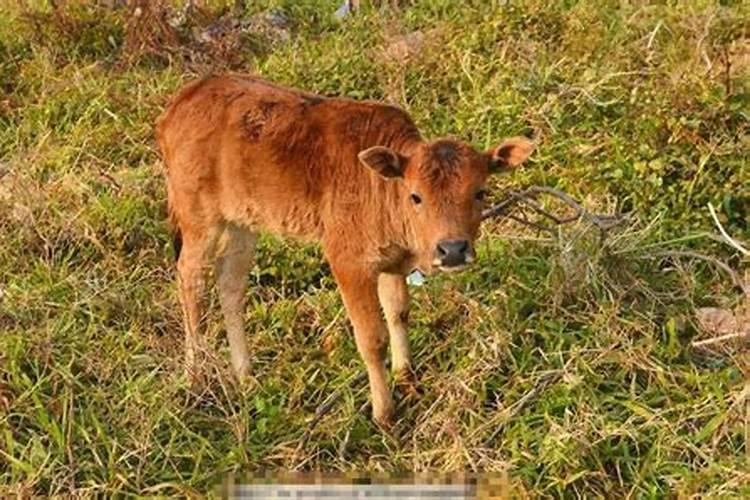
359 290
394 298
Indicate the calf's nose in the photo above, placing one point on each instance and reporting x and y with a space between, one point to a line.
452 252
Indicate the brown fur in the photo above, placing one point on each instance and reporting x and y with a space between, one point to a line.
244 155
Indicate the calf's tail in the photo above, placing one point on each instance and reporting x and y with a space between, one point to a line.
177 243
174 225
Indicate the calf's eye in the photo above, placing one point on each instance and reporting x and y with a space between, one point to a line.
415 199
480 195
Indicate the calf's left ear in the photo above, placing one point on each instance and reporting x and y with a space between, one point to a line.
384 161
510 154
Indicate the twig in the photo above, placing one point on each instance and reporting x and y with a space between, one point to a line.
502 207
653 34
519 405
527 198
721 338
529 223
345 443
738 281
324 409
723 232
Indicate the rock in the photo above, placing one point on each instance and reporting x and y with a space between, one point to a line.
273 25
716 320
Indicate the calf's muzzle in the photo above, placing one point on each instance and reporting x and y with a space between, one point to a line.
453 253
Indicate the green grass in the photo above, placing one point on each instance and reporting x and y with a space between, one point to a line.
640 108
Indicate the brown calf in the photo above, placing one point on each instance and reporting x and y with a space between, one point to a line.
244 155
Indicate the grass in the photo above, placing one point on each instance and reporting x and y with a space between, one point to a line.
638 108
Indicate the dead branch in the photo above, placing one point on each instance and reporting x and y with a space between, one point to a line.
325 408
528 199
342 447
732 242
512 411
736 279
527 222
722 338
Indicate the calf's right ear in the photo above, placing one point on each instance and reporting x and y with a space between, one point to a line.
384 161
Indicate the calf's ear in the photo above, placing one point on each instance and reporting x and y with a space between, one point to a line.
384 161
510 154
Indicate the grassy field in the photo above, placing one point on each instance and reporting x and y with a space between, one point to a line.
562 363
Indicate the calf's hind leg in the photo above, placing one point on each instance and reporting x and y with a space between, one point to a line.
232 267
197 248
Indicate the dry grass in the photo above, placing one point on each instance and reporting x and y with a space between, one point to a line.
562 363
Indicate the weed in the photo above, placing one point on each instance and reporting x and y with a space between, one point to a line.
562 363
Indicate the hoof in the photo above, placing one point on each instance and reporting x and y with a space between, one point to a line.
386 425
407 384
384 418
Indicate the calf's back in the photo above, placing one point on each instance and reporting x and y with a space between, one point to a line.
242 150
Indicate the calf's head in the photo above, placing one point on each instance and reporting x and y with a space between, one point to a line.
444 183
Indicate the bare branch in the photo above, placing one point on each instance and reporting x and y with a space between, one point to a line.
533 224
721 338
653 35
345 443
528 197
738 281
499 421
502 207
325 408
723 232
